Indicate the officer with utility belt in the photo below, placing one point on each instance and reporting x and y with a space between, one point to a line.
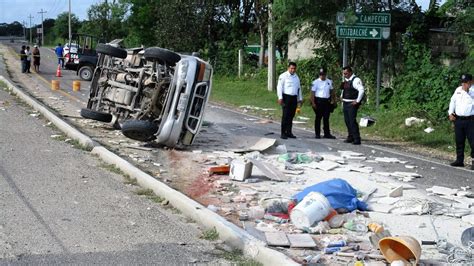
322 97
289 97
352 94
461 112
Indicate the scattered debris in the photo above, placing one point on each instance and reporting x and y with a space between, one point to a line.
366 121
442 190
410 121
240 170
429 130
219 170
396 192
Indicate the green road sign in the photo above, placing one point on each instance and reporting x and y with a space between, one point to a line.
364 19
362 32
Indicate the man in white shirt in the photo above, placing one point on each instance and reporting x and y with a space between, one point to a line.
289 97
352 94
461 112
322 93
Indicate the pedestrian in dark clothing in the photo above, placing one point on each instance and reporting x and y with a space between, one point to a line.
36 58
352 94
461 112
289 97
322 100
28 59
23 59
59 53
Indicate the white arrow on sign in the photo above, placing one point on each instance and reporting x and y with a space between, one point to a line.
374 33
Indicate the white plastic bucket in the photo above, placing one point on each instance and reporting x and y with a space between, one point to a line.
313 208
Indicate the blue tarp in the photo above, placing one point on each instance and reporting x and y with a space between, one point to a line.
338 192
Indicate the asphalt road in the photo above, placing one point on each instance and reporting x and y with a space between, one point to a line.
58 205
233 129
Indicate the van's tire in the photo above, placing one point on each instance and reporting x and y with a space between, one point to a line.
139 130
96 115
86 73
161 55
111 50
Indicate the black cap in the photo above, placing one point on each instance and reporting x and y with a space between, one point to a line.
466 77
322 71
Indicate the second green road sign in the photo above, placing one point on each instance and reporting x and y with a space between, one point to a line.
362 32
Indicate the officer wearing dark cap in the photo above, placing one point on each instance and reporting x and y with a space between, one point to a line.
461 112
322 93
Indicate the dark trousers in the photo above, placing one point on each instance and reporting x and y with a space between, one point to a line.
350 116
464 129
28 66
322 111
23 66
290 103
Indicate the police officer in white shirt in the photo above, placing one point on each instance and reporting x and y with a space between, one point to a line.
461 112
289 97
322 93
352 94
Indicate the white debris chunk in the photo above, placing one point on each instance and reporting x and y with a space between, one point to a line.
387 160
429 130
388 201
410 121
442 190
396 192
323 165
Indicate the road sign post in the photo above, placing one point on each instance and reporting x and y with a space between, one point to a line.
365 26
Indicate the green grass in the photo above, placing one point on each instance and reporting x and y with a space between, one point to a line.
210 234
112 168
144 192
390 124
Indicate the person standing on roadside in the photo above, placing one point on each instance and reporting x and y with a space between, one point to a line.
461 112
36 58
59 53
322 94
352 94
28 59
289 97
23 58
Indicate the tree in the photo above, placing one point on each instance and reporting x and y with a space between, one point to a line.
106 20
61 25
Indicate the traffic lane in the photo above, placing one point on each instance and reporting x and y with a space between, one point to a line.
47 73
233 130
58 205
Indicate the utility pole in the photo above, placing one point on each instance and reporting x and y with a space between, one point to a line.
24 29
31 36
42 26
70 34
271 50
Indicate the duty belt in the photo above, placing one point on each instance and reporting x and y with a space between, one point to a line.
471 117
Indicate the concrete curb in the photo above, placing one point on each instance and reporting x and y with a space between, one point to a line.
59 123
228 232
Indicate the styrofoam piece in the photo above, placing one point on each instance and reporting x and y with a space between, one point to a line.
388 200
277 239
442 190
387 160
325 165
468 218
301 241
380 207
240 170
396 192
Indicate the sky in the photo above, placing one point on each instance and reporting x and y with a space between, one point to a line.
20 10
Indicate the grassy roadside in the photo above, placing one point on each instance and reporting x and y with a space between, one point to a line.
389 128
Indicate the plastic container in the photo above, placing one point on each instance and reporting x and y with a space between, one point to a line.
55 85
76 85
404 248
313 208
375 227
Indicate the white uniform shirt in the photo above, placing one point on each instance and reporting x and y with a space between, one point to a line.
28 55
290 85
462 102
357 84
322 88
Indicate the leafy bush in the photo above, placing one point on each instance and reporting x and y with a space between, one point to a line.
423 84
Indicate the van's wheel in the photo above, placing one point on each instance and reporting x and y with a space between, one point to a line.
96 115
111 50
161 55
139 130
85 73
